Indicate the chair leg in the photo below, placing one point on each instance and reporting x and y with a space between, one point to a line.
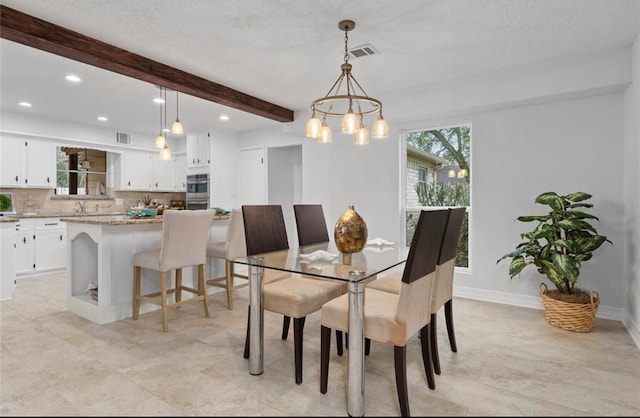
325 343
427 359
448 314
400 360
178 288
228 268
298 328
285 326
163 296
136 292
433 337
246 338
339 342
202 289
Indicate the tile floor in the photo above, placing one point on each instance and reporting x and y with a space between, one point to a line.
510 362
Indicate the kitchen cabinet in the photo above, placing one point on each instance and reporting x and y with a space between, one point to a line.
40 246
27 163
162 173
7 265
198 150
146 172
137 170
180 173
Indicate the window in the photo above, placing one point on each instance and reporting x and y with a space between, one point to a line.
445 152
80 171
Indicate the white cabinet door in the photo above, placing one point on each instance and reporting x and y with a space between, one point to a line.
50 249
41 164
23 255
180 173
27 163
198 150
137 167
162 174
12 161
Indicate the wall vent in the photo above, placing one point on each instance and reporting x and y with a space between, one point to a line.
123 138
363 51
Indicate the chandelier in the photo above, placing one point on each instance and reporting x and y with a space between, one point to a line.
346 99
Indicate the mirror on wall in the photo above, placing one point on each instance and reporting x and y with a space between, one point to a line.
81 171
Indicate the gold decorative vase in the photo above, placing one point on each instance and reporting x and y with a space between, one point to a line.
350 234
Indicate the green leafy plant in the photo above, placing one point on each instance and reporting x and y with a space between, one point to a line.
560 241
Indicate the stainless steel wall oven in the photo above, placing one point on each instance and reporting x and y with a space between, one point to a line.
197 191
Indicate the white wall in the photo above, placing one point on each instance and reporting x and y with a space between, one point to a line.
632 198
222 169
543 128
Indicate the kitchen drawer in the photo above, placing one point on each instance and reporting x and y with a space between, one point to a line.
25 224
48 223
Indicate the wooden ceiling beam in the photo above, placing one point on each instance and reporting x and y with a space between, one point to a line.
31 31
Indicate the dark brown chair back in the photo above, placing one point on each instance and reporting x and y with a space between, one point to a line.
425 245
264 229
452 235
311 224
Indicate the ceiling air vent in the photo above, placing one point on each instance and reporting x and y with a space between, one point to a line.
123 138
363 51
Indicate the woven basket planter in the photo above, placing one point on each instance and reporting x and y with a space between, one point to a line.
576 317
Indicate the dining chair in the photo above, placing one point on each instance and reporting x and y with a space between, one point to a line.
395 318
184 244
311 226
295 296
443 287
232 247
443 290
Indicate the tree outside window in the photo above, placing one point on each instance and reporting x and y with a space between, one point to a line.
450 185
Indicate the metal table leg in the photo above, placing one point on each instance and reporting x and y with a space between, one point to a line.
256 317
355 377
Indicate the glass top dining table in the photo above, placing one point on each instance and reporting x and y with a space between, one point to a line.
362 267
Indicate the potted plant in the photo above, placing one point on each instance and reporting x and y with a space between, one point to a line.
558 244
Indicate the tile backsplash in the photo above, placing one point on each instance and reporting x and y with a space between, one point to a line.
47 203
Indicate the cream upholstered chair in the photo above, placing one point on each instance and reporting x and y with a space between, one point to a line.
295 296
184 244
395 318
233 246
443 288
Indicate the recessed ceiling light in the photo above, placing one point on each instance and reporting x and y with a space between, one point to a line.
25 104
102 118
73 78
224 117
158 100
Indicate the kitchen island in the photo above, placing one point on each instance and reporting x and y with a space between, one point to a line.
99 256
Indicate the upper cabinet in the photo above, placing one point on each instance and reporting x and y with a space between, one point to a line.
198 150
27 163
145 171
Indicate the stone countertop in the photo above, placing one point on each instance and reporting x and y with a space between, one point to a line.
7 219
114 220
65 215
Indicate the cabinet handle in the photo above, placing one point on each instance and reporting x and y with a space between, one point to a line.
49 224
48 179
24 240
17 179
128 183
26 181
193 160
156 184
60 237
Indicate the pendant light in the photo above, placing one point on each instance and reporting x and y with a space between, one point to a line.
177 128
86 164
165 152
160 139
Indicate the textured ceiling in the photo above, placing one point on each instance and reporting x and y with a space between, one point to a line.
289 51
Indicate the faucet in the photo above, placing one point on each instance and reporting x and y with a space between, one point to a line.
81 206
